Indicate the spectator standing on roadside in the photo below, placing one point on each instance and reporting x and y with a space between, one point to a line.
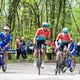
18 48
22 48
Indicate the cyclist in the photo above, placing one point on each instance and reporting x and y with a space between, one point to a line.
72 51
5 37
45 32
62 41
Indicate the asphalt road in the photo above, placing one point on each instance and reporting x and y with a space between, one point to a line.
26 71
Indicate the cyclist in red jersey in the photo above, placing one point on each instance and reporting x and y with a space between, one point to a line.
62 41
43 31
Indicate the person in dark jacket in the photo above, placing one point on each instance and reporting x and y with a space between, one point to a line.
22 49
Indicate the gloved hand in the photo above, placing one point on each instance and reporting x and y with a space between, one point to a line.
0 48
34 45
69 52
3 49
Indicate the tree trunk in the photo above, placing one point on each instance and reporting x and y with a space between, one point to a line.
60 8
52 17
64 14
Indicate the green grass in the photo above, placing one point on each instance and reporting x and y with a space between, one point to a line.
31 59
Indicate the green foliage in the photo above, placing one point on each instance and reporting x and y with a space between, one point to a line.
25 16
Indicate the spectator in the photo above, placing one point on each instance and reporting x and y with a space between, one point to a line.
78 43
29 46
78 48
49 51
18 48
53 47
22 48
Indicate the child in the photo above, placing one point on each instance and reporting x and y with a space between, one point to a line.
49 51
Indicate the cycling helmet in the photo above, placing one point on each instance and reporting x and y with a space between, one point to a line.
45 24
6 28
65 30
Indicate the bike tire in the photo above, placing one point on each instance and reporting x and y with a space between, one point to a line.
64 67
39 62
4 67
74 65
57 67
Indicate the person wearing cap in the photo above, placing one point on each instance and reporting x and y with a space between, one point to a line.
44 32
62 41
5 37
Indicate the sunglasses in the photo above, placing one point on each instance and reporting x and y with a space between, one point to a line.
6 30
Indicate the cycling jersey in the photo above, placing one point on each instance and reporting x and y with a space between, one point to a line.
5 40
41 32
73 46
53 46
64 37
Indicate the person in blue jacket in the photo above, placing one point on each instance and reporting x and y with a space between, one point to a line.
22 49
5 38
72 50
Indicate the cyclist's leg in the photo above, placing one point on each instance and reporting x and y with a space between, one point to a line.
43 53
57 55
6 58
73 58
35 55
43 56
64 52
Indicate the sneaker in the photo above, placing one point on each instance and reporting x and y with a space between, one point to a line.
42 65
34 63
25 59
18 61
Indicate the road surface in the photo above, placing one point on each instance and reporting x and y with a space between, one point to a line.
26 71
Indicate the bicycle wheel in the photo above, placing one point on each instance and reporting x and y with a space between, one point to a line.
73 68
57 67
64 67
39 61
4 67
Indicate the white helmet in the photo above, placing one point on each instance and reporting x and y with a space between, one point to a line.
65 30
6 28
45 24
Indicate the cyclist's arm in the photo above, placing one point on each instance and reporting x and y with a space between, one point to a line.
48 35
37 33
74 47
34 40
8 41
7 45
59 37
1 34
69 38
